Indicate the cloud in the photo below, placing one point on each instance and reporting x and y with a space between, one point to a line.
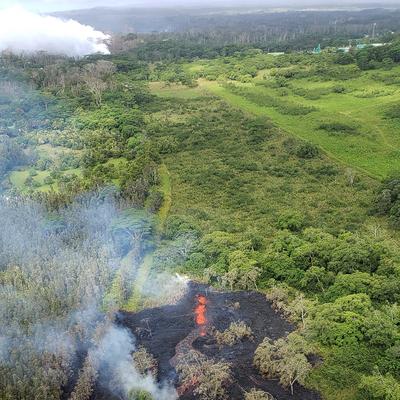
22 31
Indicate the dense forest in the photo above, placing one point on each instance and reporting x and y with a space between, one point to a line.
198 154
207 33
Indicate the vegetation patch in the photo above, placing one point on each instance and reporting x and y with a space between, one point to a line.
236 332
392 112
339 128
266 100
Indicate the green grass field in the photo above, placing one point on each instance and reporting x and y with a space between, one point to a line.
173 90
18 179
18 176
374 148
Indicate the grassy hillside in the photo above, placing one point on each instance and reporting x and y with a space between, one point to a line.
235 172
346 113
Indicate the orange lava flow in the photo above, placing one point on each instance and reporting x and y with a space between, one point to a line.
200 312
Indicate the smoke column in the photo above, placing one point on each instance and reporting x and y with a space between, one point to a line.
22 31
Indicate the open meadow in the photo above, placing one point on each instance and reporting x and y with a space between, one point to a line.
347 112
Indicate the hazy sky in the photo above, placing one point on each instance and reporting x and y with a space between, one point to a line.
54 5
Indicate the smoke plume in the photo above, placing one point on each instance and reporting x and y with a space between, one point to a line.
22 31
113 353
55 270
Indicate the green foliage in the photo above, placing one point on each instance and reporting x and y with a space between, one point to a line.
139 395
176 226
266 100
351 320
341 323
284 358
393 112
379 387
344 58
236 332
361 124
211 378
338 128
321 256
134 228
307 151
292 221
387 201
375 57
317 279
255 394
11 155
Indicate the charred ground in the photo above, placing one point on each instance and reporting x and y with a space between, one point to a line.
160 330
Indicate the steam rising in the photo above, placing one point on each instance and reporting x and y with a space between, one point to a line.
114 354
54 272
22 31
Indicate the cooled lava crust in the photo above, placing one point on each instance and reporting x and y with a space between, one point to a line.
161 329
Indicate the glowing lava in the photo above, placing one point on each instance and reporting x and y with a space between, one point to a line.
200 313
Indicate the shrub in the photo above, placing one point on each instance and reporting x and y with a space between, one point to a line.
379 387
338 128
145 363
372 93
339 89
279 297
324 170
312 94
48 180
393 112
155 201
307 151
293 221
255 394
29 181
344 59
284 358
387 201
294 109
211 378
176 226
167 144
236 332
139 395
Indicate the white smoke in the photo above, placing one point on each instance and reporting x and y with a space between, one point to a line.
22 31
114 356
55 271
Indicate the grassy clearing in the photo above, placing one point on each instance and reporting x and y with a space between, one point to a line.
375 150
173 90
18 179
